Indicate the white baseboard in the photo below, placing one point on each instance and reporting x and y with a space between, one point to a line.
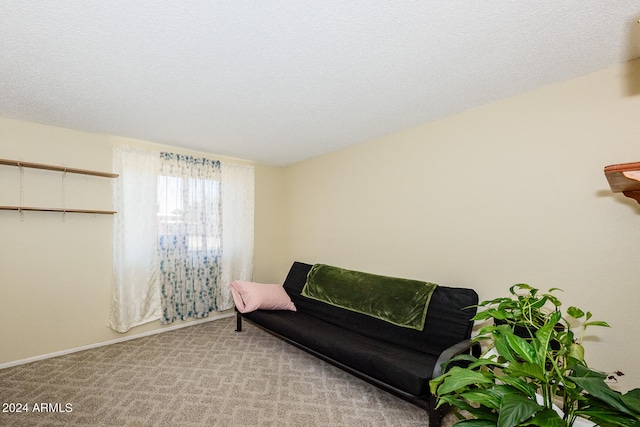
102 344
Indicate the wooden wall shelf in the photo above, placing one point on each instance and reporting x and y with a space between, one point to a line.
63 210
54 168
624 178
57 168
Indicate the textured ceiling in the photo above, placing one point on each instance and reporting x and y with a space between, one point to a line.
284 80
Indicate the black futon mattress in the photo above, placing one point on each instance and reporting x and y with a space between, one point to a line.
400 357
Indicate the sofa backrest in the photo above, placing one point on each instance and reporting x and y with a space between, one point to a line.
448 317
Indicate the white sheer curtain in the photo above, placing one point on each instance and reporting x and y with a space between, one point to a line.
237 225
135 289
172 259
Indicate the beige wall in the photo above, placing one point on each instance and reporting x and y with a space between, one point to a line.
55 271
269 262
508 193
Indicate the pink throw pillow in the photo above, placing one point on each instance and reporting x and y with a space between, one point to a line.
250 296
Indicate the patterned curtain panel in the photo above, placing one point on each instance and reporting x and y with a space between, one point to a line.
189 236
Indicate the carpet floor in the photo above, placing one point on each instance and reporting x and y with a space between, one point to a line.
201 375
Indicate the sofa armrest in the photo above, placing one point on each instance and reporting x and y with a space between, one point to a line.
456 349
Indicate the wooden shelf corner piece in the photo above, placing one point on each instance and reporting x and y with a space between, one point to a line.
624 178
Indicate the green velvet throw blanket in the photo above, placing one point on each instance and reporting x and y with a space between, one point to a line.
402 302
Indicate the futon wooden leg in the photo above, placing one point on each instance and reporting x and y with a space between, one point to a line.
238 322
436 415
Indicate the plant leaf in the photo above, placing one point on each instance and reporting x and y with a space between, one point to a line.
495 313
482 315
597 388
502 345
544 334
522 286
515 409
522 348
484 362
456 402
566 338
576 351
520 384
575 312
467 358
458 378
540 303
582 371
485 397
606 416
632 399
547 418
528 370
484 334
596 323
484 414
493 301
475 423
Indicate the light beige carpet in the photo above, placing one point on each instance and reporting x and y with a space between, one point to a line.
202 375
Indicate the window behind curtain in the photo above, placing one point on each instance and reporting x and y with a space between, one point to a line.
189 236
180 203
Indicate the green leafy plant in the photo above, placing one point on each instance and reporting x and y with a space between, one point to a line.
533 370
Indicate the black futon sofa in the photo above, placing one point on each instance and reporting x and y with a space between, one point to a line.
397 359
